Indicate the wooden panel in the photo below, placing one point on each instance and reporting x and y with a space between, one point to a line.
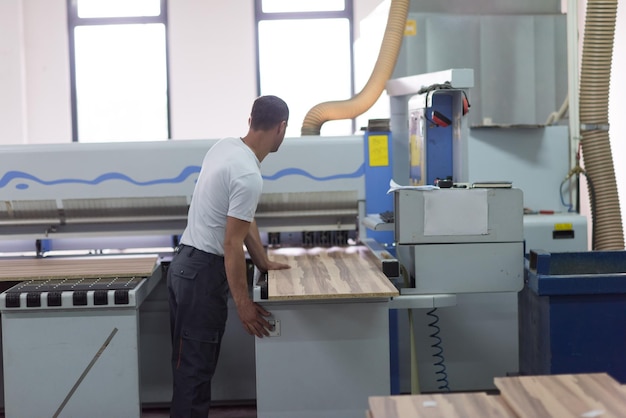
327 273
446 405
571 395
79 267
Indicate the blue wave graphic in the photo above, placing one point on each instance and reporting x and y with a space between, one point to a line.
20 175
10 176
299 172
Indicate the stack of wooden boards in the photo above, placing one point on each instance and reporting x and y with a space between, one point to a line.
20 269
567 395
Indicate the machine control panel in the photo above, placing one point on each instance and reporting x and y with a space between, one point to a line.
72 293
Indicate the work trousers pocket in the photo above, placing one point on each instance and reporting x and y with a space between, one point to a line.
199 350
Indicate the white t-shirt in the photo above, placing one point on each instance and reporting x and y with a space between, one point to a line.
229 184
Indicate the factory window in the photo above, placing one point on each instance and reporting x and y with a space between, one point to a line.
305 56
285 6
118 58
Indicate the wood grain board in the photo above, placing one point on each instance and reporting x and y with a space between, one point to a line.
75 267
449 405
554 396
327 273
568 395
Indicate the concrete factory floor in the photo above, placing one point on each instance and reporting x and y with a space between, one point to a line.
237 411
221 411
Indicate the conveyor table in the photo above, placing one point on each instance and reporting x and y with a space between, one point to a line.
329 349
70 341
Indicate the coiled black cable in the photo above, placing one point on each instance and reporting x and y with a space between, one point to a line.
440 363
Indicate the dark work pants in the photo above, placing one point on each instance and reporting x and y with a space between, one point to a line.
198 296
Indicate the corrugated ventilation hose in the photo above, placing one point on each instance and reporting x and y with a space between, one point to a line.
595 77
359 104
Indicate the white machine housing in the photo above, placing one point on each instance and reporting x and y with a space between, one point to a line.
462 240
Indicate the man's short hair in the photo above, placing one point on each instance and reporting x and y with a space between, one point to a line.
268 112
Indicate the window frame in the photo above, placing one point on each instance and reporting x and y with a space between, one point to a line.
73 20
347 13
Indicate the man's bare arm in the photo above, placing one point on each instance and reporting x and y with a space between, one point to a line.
250 313
257 251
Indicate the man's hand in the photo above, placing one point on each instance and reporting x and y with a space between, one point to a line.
274 265
251 315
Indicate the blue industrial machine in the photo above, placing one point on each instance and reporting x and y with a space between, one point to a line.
482 269
457 245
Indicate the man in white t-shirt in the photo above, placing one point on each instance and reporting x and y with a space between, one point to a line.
210 259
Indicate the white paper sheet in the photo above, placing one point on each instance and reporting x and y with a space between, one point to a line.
456 212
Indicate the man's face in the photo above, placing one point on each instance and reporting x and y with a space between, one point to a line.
280 136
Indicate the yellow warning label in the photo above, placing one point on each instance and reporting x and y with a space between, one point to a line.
410 29
378 150
563 227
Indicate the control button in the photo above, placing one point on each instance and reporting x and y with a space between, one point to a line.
54 298
79 298
12 300
33 300
100 297
121 297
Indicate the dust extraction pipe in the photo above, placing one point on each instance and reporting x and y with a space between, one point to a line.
608 233
359 104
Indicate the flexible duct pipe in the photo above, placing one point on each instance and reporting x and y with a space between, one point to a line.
595 77
387 57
